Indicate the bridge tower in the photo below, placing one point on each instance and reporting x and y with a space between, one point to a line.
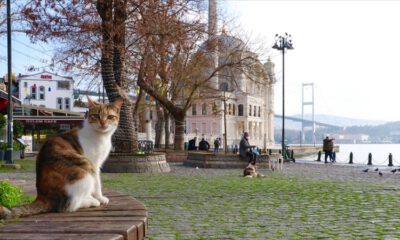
305 104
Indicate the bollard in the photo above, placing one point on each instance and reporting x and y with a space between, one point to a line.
351 158
390 160
319 156
292 156
369 159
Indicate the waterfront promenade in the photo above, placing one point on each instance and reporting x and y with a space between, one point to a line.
304 201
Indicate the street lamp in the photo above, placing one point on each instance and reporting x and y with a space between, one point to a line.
9 151
282 43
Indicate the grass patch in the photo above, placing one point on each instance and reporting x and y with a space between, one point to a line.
26 166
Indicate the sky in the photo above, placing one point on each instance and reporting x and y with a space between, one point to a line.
350 50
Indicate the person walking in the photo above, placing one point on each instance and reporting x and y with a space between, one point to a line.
245 149
327 147
217 143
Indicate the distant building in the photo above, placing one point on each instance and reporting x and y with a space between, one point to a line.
351 138
47 90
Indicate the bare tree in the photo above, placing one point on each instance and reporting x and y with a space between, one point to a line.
92 36
177 53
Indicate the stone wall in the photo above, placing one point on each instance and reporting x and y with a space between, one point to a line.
221 160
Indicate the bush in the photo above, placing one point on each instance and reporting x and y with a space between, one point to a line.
10 196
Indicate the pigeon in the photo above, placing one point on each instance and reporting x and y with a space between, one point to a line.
376 169
365 170
380 174
394 170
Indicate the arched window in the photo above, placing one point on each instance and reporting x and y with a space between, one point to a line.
41 93
250 110
33 92
240 109
59 103
204 109
224 86
194 111
234 110
67 103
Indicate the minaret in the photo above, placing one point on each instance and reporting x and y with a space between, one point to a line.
212 17
269 67
212 32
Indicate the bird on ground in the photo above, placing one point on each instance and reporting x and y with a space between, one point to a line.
394 170
380 174
365 170
376 169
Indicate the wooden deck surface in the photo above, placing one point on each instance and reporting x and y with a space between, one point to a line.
124 218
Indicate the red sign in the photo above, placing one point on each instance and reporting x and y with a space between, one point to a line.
45 76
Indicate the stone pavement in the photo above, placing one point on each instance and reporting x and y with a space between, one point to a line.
307 200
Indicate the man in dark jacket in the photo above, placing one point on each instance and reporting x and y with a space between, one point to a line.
245 149
192 144
204 145
327 147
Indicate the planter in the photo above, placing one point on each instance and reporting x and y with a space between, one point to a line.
150 163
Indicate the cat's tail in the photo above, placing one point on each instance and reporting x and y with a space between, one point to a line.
36 207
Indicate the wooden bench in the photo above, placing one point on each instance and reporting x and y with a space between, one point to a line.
124 218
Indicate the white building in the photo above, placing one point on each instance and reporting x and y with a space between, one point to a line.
249 102
47 90
249 108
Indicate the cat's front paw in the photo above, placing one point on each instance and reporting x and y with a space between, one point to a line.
103 200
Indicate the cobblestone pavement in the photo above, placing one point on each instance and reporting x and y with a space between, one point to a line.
304 201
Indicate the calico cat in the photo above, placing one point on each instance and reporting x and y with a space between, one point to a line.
250 170
68 165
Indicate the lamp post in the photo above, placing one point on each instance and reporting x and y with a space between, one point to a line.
282 43
9 76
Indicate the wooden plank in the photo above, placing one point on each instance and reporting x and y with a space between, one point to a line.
142 228
59 236
126 229
83 219
119 213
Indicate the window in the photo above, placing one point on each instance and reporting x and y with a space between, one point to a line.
250 110
193 130
229 109
240 110
255 111
67 103
41 92
194 112
59 103
33 92
259 111
224 86
63 85
214 108
204 109
234 109
25 84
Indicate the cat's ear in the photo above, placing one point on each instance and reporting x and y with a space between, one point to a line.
118 103
91 103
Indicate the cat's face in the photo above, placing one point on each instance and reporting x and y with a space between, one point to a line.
104 117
